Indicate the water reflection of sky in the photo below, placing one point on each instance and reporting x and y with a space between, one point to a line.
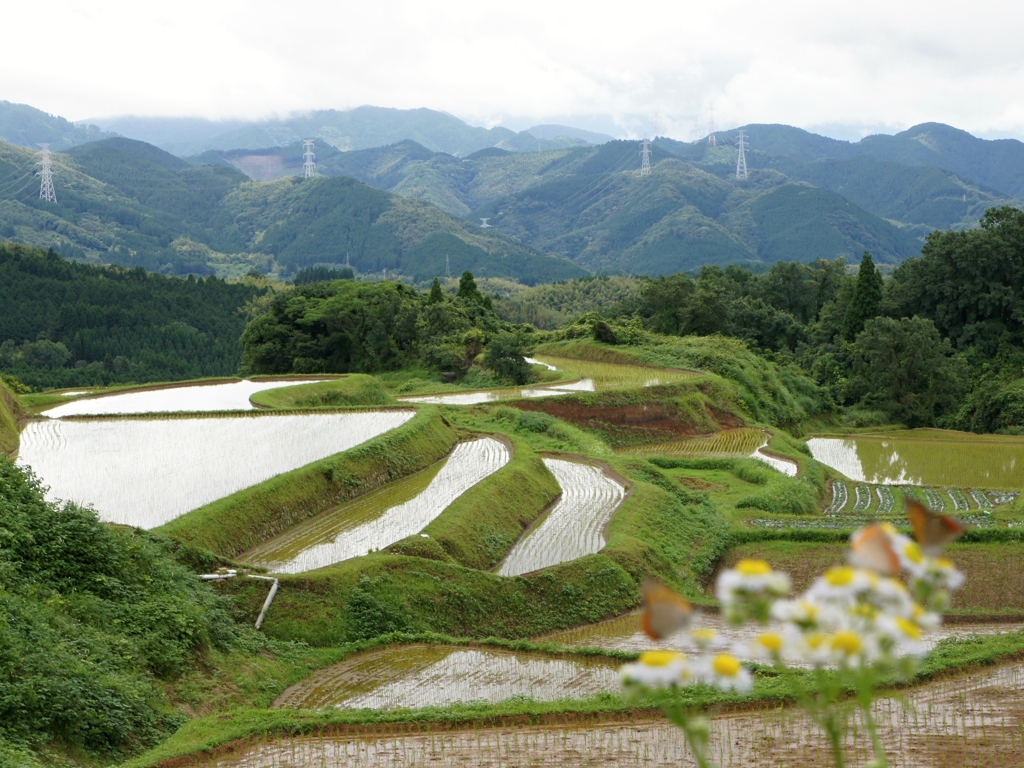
929 462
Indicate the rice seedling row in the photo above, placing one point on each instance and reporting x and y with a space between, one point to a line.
981 499
971 720
840 496
575 526
346 533
934 499
959 500
233 396
863 500
886 500
730 442
952 463
145 472
437 675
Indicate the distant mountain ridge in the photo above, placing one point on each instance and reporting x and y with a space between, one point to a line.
27 126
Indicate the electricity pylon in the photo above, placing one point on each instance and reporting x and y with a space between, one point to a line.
46 191
645 158
711 130
308 167
741 159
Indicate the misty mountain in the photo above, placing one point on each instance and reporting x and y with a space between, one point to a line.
27 126
344 130
129 203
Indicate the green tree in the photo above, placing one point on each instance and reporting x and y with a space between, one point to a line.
866 298
436 294
905 368
505 355
468 290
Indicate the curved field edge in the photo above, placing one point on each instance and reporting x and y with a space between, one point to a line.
204 739
11 413
350 390
238 522
662 530
479 527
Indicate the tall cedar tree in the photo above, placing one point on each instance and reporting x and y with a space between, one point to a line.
866 298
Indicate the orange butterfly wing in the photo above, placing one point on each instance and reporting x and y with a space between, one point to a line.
932 530
872 549
664 611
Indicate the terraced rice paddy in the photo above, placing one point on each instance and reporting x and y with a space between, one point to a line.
607 376
146 472
383 517
623 633
728 442
575 527
963 462
882 500
974 721
233 396
437 675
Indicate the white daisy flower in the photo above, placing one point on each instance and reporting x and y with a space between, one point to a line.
658 669
725 672
751 578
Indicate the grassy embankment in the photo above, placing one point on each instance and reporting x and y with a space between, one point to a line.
202 738
10 412
351 390
238 522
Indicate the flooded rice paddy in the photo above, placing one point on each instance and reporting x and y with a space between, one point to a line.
729 443
233 396
623 633
976 721
384 516
963 462
575 526
438 675
145 472
593 377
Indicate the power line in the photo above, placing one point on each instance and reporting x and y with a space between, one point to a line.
46 191
309 166
741 159
645 158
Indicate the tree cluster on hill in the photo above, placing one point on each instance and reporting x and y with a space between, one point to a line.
344 326
67 325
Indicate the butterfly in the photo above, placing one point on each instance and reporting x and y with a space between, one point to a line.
871 548
932 530
664 612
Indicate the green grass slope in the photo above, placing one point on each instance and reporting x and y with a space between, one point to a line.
242 520
10 413
352 390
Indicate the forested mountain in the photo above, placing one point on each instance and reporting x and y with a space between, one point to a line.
65 324
345 130
27 126
125 202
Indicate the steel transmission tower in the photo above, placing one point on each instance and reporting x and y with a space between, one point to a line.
308 167
711 130
46 191
645 158
741 159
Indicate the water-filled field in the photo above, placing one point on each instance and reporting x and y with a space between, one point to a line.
145 472
971 720
575 527
233 396
624 634
497 395
429 676
957 461
384 516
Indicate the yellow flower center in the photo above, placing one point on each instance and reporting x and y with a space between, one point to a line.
771 640
847 642
913 553
839 576
703 635
753 568
909 628
659 658
726 665
814 640
898 585
889 528
945 563
810 609
866 610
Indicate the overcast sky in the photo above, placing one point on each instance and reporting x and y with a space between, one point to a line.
843 69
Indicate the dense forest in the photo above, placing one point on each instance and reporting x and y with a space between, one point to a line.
67 325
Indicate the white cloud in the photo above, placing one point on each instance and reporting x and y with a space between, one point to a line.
868 64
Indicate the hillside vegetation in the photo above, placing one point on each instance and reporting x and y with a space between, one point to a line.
10 412
129 203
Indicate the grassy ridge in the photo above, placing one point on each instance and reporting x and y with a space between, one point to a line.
660 529
242 520
353 389
479 527
10 412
